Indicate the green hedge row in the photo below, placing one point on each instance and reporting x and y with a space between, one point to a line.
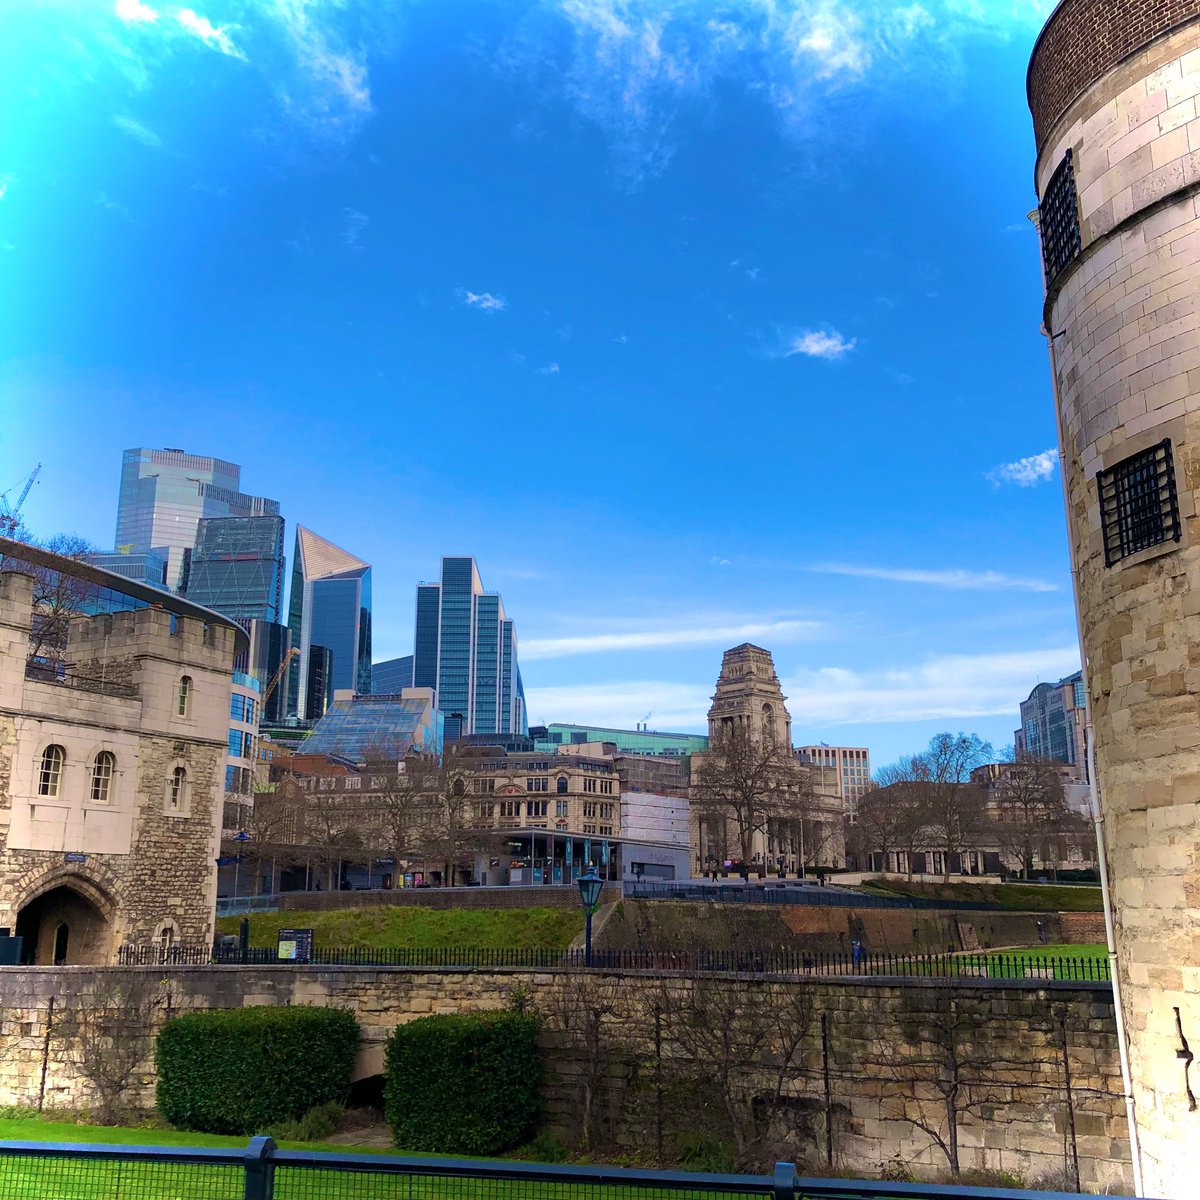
242 1070
463 1084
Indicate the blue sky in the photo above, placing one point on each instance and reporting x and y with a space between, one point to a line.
695 323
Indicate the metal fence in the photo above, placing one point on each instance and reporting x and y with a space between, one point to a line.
790 892
261 1171
795 963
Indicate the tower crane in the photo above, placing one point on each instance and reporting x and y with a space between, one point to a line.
279 670
9 513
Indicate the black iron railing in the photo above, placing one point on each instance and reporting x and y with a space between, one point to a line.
783 892
981 966
261 1171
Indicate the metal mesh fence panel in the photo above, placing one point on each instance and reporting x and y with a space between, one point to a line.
37 1177
315 1183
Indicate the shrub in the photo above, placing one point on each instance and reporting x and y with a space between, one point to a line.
703 1152
463 1084
546 1147
243 1070
315 1126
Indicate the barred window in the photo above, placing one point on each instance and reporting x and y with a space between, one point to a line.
1139 506
1059 222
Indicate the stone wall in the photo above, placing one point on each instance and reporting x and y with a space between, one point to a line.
1009 1048
1124 316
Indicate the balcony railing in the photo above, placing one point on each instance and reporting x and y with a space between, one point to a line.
64 675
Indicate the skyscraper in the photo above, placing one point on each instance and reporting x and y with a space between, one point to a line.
466 648
329 616
165 494
237 567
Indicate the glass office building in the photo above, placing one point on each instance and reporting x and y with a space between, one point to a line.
392 676
237 567
329 617
149 567
466 649
164 496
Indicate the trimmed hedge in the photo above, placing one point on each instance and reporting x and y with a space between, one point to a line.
464 1084
242 1070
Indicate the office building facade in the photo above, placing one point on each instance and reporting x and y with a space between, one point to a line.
847 768
164 496
392 676
466 650
236 567
148 567
627 741
1052 724
329 618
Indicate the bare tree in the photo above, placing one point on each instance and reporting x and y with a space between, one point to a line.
954 808
399 800
57 595
448 826
896 814
585 1012
1030 814
741 782
739 1050
106 1033
944 1070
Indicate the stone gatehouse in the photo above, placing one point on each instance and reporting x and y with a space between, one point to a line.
112 758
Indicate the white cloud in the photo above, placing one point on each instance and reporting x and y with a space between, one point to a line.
207 32
620 704
353 224
483 300
668 639
332 93
946 687
5 180
1026 472
954 577
718 561
633 67
817 343
550 369
138 131
134 11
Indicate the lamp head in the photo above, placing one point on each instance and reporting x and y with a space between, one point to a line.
590 885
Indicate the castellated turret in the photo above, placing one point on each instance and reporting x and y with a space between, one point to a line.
112 759
1114 87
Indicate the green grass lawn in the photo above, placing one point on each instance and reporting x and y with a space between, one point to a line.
74 1179
1014 897
404 928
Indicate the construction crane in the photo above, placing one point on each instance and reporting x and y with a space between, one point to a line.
279 670
10 513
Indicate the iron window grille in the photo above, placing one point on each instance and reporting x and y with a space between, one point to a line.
1059 211
1139 505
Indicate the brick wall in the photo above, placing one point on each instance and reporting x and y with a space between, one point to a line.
1082 928
1083 39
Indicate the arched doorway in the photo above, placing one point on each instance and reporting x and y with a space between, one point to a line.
62 926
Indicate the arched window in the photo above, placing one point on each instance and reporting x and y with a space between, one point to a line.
178 795
102 773
561 785
185 696
166 940
50 775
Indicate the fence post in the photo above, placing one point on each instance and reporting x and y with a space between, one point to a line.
785 1181
259 1161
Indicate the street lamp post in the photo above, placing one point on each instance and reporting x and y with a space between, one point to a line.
590 886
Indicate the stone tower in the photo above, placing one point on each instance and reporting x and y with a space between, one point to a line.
1114 87
749 698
